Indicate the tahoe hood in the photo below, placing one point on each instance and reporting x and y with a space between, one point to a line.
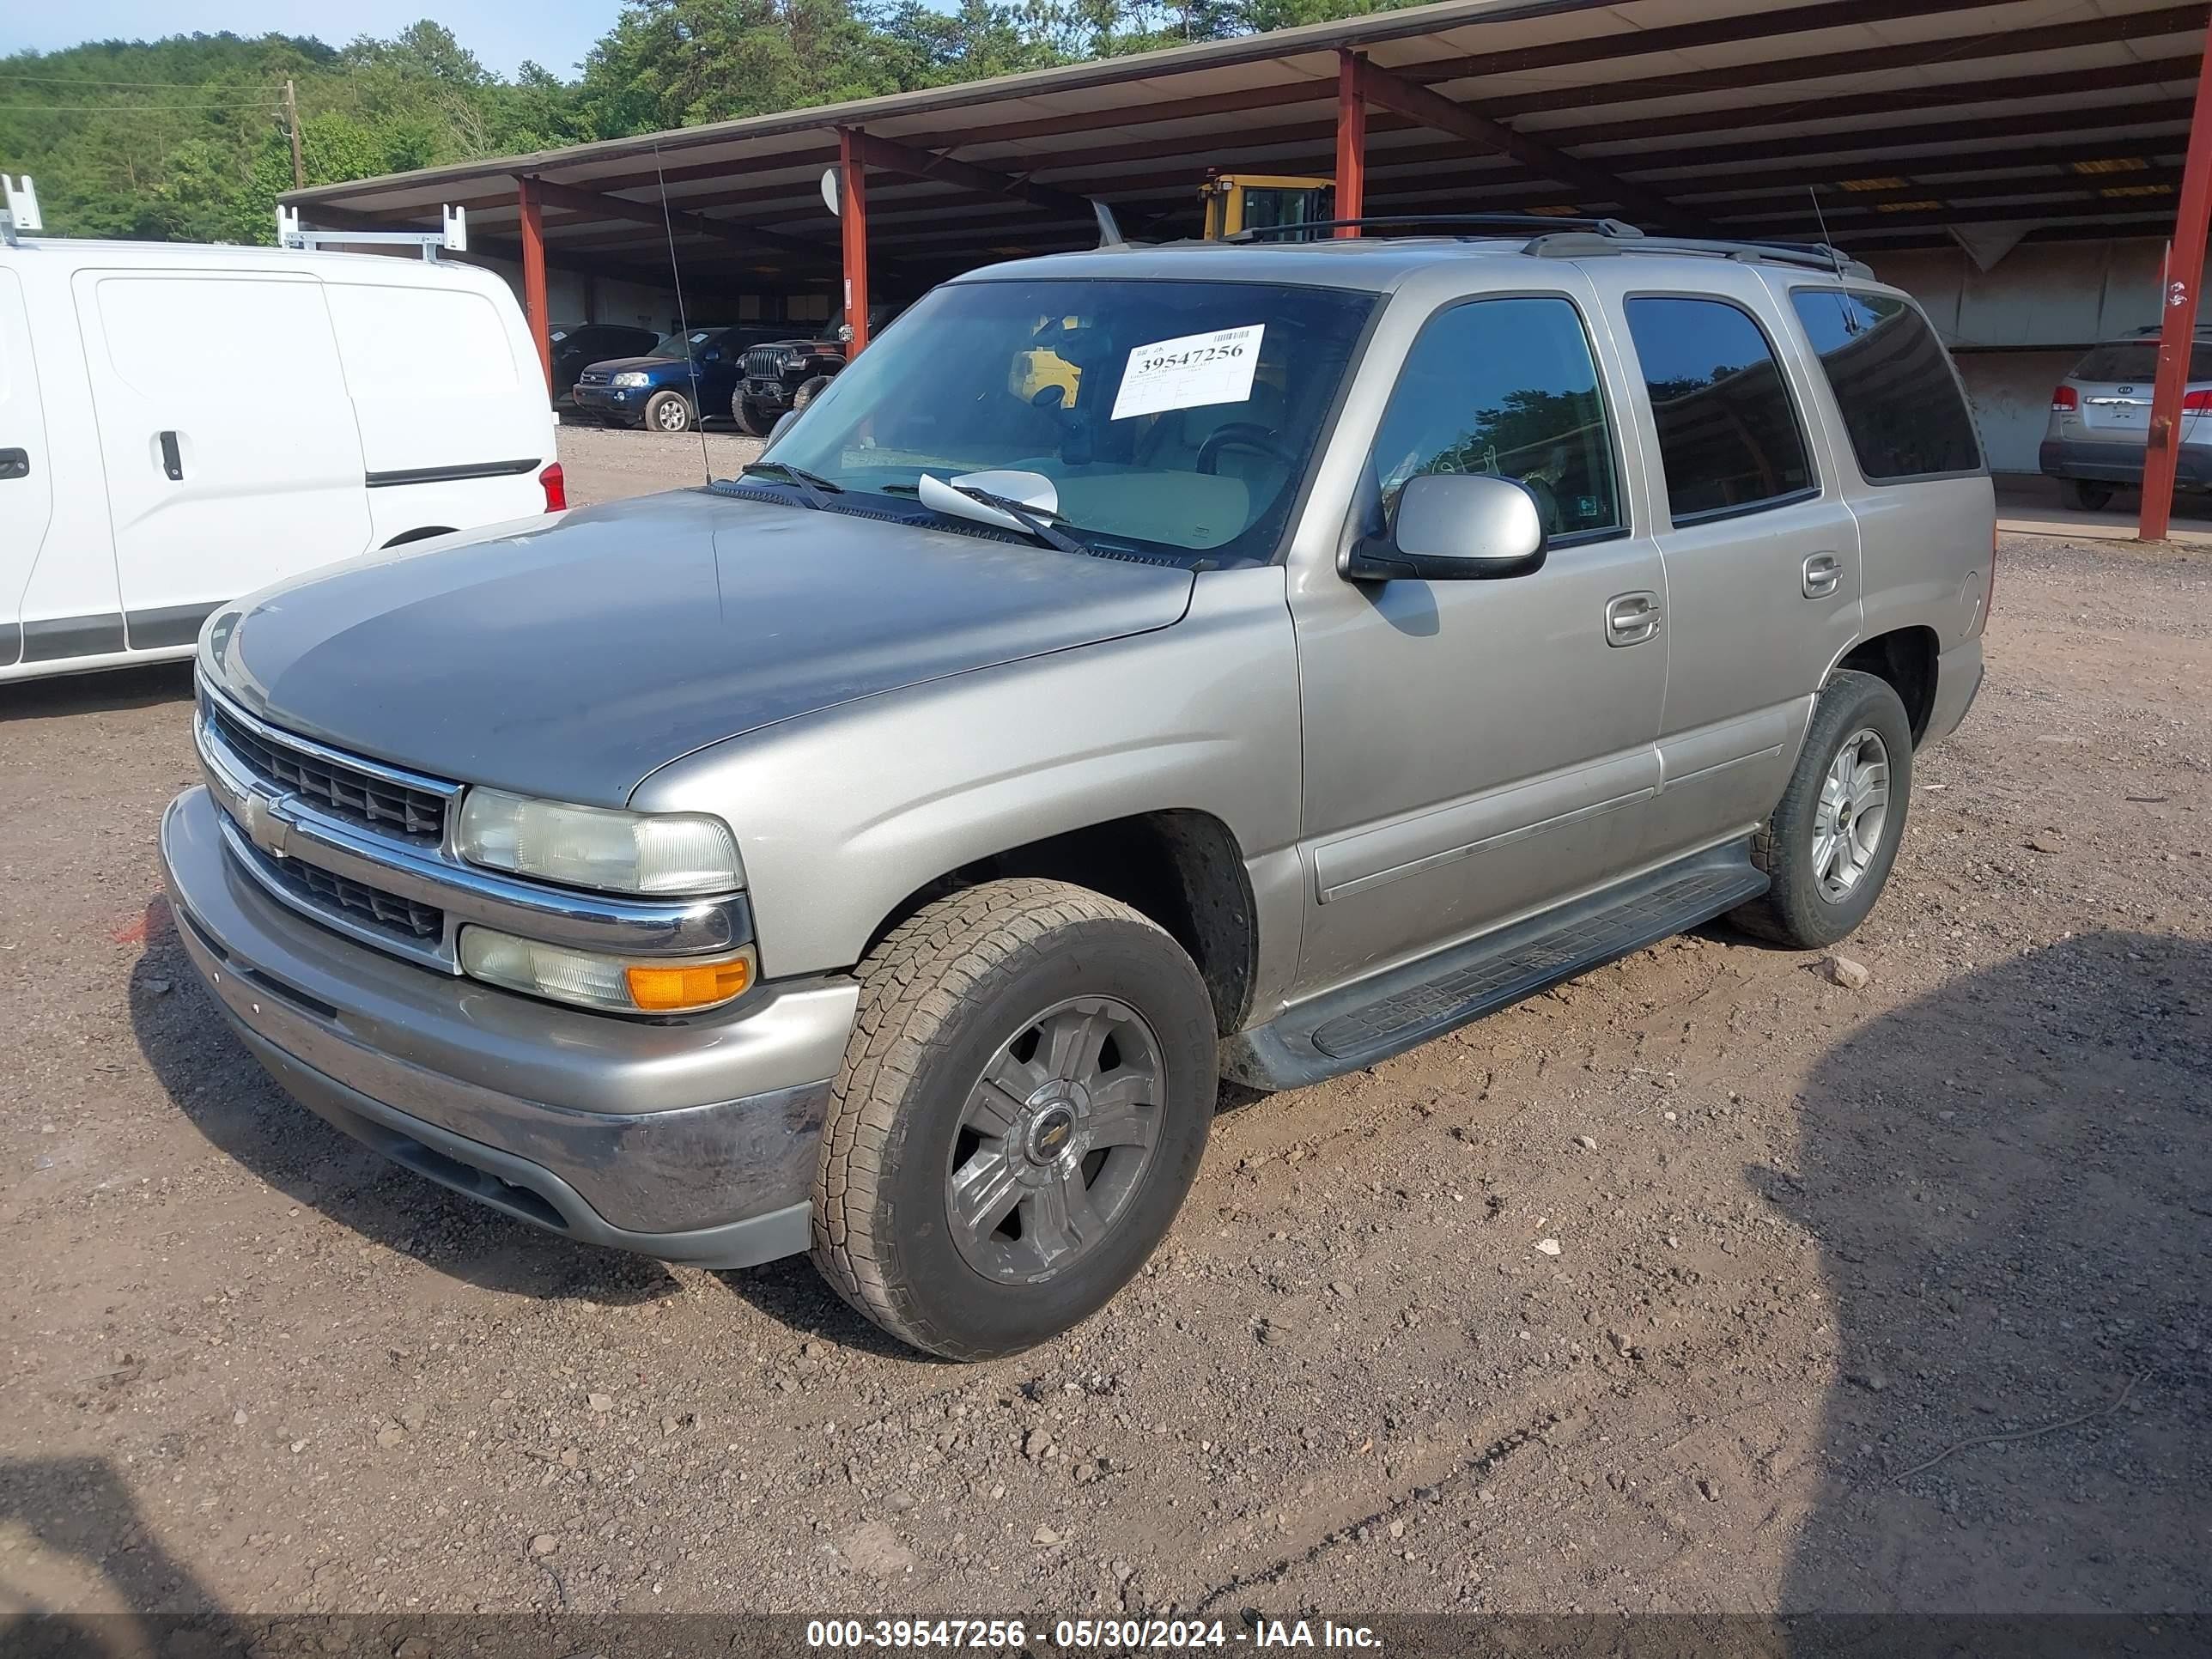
571 660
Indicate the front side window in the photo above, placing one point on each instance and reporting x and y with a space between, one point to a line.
1728 436
1899 400
1169 417
1505 387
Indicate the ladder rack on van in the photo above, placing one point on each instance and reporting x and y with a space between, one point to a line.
454 234
18 208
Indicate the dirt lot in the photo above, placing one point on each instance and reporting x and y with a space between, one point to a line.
1886 1297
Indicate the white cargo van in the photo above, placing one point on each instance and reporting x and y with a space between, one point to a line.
179 425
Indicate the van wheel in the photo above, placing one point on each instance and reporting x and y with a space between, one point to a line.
667 412
808 392
2089 495
752 419
1021 1108
1829 845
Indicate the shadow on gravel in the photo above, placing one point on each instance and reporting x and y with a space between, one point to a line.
2010 1181
91 693
222 1088
76 1510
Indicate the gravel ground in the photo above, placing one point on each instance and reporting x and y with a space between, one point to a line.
1705 1282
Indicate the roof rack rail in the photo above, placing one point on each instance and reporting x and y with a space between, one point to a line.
1609 229
1817 255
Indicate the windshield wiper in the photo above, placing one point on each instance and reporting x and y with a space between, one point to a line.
812 486
1048 534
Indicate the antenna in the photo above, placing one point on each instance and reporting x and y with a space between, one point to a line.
683 322
1835 261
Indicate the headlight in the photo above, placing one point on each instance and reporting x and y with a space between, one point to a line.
608 852
624 985
632 377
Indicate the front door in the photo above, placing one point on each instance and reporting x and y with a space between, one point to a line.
232 454
27 490
1476 750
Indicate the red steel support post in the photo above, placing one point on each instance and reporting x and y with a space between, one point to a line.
2185 276
852 228
534 276
1350 140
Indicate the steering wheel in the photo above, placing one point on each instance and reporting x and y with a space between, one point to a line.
1241 435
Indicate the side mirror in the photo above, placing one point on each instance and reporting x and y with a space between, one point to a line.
782 424
1454 526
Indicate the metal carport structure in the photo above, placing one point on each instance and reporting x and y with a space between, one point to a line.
1912 122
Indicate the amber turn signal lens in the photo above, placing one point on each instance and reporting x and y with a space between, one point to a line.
675 987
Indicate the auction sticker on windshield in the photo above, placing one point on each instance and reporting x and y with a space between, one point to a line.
1190 372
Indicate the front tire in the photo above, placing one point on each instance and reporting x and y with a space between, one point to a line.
752 419
809 390
1828 846
1021 1109
668 411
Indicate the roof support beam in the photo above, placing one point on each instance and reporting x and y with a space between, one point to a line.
894 157
1350 139
1431 109
569 199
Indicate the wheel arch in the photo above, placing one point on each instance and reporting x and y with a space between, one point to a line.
1181 867
420 533
1907 660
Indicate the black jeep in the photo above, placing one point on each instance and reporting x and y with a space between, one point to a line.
781 376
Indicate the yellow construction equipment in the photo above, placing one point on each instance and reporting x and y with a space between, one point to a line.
1255 201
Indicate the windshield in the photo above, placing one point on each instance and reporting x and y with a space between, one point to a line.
671 345
1171 418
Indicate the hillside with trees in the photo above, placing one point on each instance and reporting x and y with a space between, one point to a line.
185 139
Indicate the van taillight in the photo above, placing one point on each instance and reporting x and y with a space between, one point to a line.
2065 399
2197 403
556 488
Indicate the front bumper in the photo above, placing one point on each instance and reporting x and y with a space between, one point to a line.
772 395
616 402
2119 463
693 1142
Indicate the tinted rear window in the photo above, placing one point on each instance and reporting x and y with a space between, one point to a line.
1899 399
1728 437
2137 361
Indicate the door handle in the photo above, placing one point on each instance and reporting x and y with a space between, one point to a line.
1824 574
1631 619
14 463
172 462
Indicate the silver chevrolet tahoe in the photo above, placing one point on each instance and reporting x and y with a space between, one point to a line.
1140 666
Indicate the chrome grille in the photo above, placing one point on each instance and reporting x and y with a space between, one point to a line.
764 362
593 377
403 917
340 790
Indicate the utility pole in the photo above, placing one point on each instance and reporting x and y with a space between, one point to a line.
292 122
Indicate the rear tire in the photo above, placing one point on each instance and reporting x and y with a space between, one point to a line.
1825 848
2088 495
947 1139
668 411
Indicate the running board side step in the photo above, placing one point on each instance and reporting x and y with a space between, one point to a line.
1375 1018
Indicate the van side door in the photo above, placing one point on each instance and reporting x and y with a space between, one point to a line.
454 420
26 463
1760 546
228 440
1476 750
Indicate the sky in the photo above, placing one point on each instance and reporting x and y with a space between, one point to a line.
502 32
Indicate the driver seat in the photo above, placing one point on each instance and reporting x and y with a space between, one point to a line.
1174 443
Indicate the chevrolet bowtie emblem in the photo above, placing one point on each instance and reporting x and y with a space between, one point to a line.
262 826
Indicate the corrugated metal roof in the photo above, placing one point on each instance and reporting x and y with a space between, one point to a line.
1733 113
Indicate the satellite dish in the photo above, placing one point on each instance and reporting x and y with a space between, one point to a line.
833 190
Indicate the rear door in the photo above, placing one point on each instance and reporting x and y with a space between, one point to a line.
230 448
1761 547
26 492
443 392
